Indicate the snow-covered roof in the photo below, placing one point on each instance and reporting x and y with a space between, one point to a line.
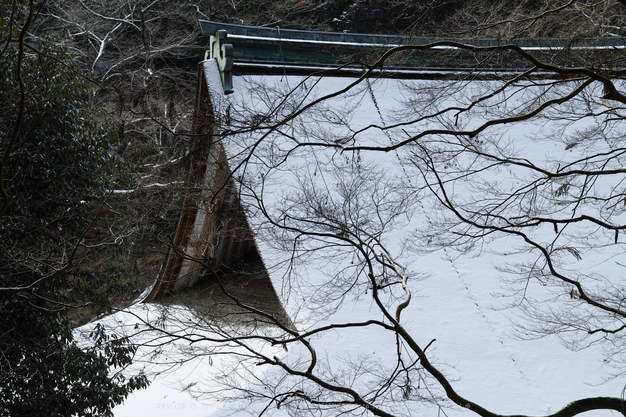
312 183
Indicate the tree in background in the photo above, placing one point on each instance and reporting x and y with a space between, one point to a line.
56 162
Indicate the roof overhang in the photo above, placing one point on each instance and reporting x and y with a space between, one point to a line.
265 50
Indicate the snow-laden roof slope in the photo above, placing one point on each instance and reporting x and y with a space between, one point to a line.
333 215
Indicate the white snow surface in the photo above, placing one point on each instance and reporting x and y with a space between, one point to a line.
457 301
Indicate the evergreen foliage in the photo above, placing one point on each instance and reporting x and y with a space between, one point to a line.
55 159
